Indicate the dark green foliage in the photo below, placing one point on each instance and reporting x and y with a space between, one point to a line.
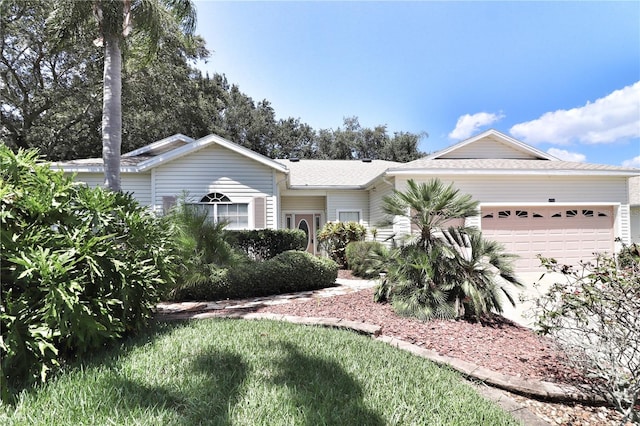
200 245
80 267
366 259
335 236
290 271
629 256
263 244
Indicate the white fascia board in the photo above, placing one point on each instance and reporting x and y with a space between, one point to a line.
512 172
248 153
92 169
548 204
325 187
158 144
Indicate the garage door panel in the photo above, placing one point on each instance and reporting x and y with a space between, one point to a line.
568 234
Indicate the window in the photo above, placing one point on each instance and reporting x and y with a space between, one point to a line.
522 213
503 214
220 208
571 213
349 216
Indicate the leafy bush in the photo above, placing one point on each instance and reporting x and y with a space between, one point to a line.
200 245
263 244
335 236
594 314
80 267
366 259
287 272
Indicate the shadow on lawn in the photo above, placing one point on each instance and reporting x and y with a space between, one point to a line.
213 388
323 392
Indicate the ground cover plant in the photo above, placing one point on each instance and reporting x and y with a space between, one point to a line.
443 271
254 373
80 268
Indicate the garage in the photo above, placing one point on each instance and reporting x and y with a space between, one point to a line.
566 233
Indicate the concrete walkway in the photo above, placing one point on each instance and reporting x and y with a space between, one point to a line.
529 387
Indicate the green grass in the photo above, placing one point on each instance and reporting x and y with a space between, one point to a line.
231 372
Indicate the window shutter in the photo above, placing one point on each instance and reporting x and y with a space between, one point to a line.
167 203
260 212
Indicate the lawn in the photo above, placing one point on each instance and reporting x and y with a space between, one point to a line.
232 372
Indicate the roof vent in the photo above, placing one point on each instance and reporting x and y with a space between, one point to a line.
366 160
294 159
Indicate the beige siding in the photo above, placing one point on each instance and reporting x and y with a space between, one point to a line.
348 200
137 183
217 169
538 189
487 148
635 225
316 204
376 215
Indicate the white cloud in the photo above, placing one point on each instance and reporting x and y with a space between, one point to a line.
468 124
634 162
567 155
609 119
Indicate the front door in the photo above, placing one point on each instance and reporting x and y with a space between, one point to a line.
310 223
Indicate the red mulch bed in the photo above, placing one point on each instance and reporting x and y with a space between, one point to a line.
497 344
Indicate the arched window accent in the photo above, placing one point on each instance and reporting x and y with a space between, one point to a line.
220 208
215 197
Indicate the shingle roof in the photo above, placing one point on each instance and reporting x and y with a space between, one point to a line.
97 162
500 164
334 173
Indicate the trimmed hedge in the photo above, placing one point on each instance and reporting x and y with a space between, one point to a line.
263 244
288 272
366 259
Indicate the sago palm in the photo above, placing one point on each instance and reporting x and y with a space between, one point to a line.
142 21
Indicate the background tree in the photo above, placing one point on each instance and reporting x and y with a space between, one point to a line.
49 92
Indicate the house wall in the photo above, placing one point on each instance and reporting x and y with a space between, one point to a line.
138 183
350 200
512 189
312 203
487 148
217 169
635 224
376 215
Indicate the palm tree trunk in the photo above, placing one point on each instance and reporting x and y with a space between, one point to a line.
112 113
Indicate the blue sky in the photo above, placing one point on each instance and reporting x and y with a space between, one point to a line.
561 76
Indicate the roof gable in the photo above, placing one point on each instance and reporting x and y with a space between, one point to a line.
206 141
163 151
491 144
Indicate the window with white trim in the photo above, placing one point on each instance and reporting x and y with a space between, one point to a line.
219 208
349 216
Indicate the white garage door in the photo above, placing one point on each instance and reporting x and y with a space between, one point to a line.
568 234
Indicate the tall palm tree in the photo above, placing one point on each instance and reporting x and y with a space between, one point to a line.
429 206
143 21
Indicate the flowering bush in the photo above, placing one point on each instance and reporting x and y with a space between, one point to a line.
595 317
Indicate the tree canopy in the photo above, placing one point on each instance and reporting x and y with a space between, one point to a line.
51 99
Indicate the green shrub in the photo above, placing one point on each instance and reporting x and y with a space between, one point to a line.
366 259
335 236
80 267
288 272
263 244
